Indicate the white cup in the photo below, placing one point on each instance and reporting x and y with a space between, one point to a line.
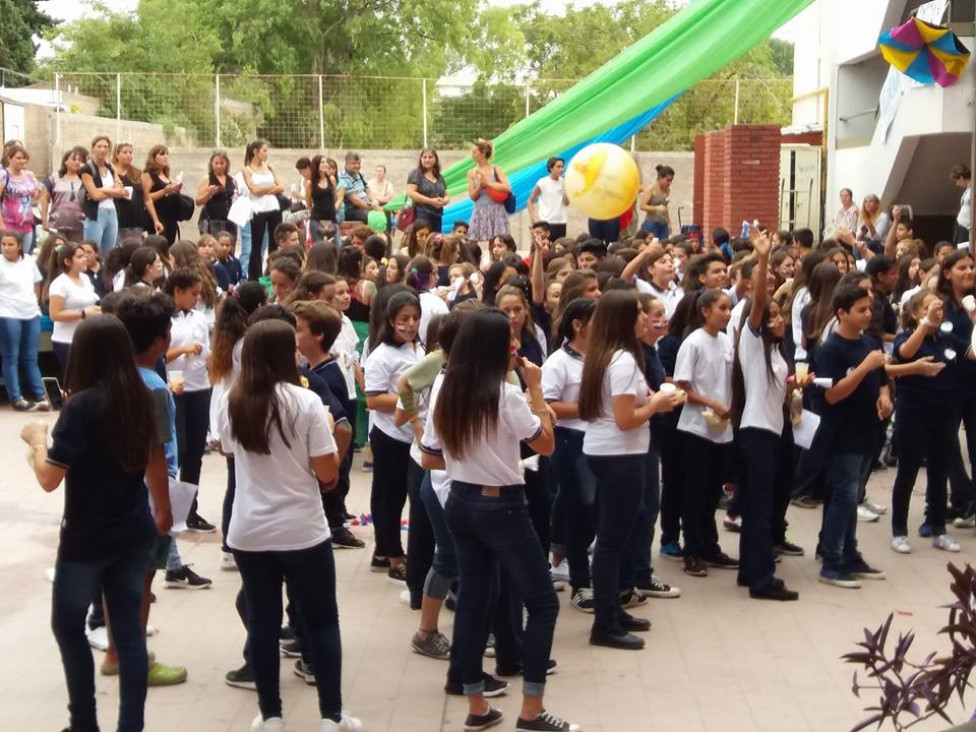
128 192
668 388
969 302
802 370
175 378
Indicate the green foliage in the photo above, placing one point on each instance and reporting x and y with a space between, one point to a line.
20 20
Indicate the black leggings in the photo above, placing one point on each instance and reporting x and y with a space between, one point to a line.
261 222
192 422
391 459
420 538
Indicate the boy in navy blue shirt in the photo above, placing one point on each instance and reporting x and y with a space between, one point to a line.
318 325
227 267
858 398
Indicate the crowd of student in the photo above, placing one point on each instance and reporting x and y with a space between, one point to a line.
527 407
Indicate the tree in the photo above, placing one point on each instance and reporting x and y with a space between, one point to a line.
20 22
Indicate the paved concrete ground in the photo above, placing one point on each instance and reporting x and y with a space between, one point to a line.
715 660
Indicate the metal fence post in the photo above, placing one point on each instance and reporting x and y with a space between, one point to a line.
424 97
528 90
735 114
217 111
321 116
56 147
118 107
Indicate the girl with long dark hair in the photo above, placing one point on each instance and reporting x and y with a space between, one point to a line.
263 188
572 508
161 193
280 435
20 324
616 402
71 297
320 197
107 446
131 208
215 193
396 352
477 422
704 370
764 438
102 187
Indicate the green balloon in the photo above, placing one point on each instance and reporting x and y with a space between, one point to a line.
376 220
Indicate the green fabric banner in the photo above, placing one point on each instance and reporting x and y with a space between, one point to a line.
691 45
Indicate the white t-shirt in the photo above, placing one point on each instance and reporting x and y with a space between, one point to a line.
551 207
108 181
76 297
735 322
494 461
965 216
430 306
384 367
17 297
669 298
705 363
796 323
191 327
764 396
561 376
277 503
603 436
344 352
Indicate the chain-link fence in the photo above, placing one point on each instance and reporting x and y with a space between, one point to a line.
338 112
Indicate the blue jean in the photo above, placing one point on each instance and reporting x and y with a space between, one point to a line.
443 568
121 580
660 230
104 230
310 574
18 347
620 496
246 239
576 495
487 529
838 537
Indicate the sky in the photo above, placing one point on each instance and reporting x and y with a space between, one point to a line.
73 9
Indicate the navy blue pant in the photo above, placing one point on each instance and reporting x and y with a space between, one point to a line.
928 434
576 495
310 574
846 474
420 538
705 470
620 495
643 564
487 530
120 578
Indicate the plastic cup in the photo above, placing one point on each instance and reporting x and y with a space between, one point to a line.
969 302
802 370
128 192
175 379
668 388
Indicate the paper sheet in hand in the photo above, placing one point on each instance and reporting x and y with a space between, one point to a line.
240 211
804 432
180 499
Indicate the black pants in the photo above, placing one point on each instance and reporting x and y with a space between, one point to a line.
672 481
228 508
171 228
334 501
420 537
391 459
557 231
765 474
963 493
539 501
606 231
928 434
263 221
192 422
705 471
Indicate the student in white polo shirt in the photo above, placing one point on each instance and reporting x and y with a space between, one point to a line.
704 370
397 351
764 438
475 425
280 435
617 405
550 193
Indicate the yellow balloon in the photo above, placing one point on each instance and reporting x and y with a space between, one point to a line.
602 181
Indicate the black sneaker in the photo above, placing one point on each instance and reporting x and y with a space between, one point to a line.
304 672
195 522
379 564
722 561
862 570
493 687
22 405
632 598
583 600
516 670
477 722
291 649
654 587
545 722
242 678
776 591
789 549
398 573
186 579
287 633
695 567
343 538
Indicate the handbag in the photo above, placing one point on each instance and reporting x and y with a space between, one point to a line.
184 208
510 203
405 217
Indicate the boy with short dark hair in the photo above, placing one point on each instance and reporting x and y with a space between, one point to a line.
318 326
227 267
858 397
460 227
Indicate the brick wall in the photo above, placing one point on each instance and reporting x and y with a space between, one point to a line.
739 171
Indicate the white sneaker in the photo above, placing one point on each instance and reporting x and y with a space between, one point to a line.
346 724
227 562
945 543
560 571
900 544
966 522
874 507
98 638
866 514
272 724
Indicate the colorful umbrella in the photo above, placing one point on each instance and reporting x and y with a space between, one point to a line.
925 52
